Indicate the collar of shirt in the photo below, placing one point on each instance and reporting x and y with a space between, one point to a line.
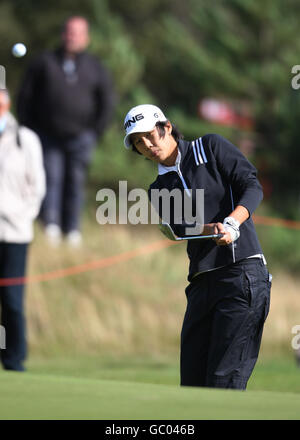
162 169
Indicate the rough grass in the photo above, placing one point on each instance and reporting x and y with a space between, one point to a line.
132 307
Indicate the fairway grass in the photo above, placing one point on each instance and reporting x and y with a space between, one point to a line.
52 397
278 373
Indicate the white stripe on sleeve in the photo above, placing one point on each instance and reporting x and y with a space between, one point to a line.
202 151
198 150
196 160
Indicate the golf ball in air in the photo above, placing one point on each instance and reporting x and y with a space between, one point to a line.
19 50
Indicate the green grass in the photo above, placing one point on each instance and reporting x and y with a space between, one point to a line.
270 374
276 374
91 387
42 396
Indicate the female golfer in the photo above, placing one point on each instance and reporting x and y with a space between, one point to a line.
228 294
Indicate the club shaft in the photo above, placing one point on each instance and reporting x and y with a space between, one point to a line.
198 237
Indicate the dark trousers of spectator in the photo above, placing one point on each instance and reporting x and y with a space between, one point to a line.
12 265
223 324
66 163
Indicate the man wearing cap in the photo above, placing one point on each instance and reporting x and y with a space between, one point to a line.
228 295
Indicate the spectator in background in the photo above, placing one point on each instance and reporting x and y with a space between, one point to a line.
67 98
22 187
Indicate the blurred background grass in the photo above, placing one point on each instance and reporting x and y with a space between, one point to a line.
134 308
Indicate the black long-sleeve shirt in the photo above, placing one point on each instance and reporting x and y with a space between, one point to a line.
228 179
63 100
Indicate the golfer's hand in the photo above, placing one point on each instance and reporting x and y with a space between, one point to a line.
218 228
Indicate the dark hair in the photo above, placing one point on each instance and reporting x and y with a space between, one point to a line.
162 131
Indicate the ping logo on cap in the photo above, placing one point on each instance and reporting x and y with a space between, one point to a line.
133 120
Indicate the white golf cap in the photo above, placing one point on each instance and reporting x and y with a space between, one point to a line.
141 119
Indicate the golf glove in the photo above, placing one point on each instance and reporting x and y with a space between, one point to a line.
232 226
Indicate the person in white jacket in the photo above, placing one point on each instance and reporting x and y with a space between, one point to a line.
22 189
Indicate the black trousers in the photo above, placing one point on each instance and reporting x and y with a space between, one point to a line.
66 164
223 325
13 265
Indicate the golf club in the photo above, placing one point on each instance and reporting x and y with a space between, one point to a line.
166 229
